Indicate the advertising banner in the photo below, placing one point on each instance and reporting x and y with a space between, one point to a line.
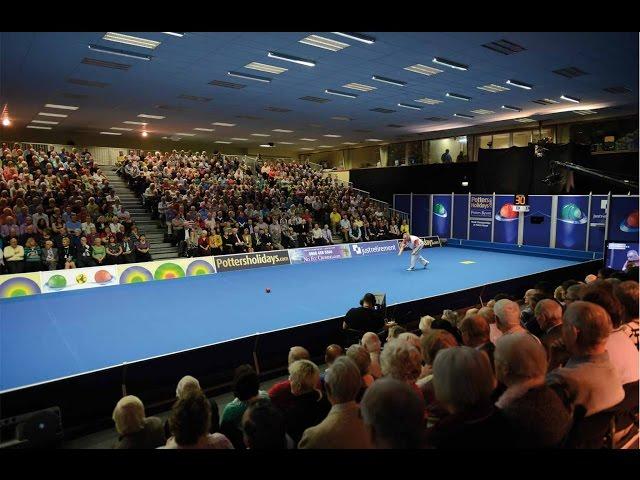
441 216
78 278
431 242
537 221
623 219
320 254
20 285
597 222
460 216
505 229
244 261
420 215
373 248
480 218
571 225
164 269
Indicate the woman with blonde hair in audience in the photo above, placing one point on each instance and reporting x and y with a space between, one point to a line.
402 361
134 429
425 324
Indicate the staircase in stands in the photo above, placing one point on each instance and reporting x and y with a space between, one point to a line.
151 228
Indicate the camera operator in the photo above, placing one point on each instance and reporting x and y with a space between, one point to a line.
366 318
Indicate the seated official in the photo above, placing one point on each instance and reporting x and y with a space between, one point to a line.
364 318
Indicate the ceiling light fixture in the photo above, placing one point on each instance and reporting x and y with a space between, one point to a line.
263 67
199 129
155 117
349 143
57 115
462 115
175 34
570 99
45 122
239 139
341 94
450 64
428 101
6 122
356 36
289 58
121 53
309 139
121 128
144 134
260 135
130 40
250 77
110 133
324 43
222 124
330 135
61 107
423 69
412 107
222 141
131 122
39 128
516 83
282 130
359 86
524 120
458 96
493 88
509 107
286 143
373 140
390 81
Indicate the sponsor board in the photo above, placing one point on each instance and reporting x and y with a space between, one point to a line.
78 278
374 248
165 269
431 242
243 261
20 285
320 254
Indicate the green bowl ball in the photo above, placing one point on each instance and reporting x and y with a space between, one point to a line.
57 281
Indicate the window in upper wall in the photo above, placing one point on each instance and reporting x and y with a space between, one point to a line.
485 141
501 140
542 133
521 139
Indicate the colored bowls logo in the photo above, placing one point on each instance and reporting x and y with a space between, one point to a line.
439 210
199 267
572 214
168 270
18 287
506 213
135 274
630 223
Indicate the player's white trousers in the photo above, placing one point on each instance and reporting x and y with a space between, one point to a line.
415 254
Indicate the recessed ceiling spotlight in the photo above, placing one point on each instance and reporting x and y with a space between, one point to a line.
292 59
6 122
390 81
570 99
144 134
519 84
356 36
450 64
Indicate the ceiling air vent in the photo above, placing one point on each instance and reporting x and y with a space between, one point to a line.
221 83
570 72
504 46
195 98
277 109
382 110
617 90
87 83
309 98
435 119
393 125
544 101
102 63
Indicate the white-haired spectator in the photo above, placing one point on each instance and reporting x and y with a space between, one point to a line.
402 361
549 317
135 431
189 423
470 312
508 316
393 413
308 406
536 413
425 324
589 379
189 384
451 317
463 383
280 393
342 428
411 339
361 358
371 342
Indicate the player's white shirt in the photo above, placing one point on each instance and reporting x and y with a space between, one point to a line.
414 242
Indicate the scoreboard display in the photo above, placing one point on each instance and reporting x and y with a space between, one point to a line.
520 202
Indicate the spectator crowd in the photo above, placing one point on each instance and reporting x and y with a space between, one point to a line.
58 211
215 204
558 369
